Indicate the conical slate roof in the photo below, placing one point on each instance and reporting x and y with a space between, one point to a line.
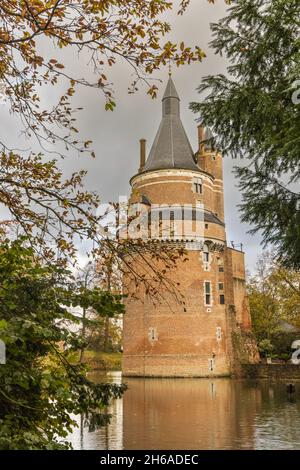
171 147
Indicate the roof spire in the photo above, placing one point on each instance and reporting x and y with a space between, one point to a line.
171 147
170 101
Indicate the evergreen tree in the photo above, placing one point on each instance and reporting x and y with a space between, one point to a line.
254 112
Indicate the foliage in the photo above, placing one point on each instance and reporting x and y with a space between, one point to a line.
278 346
99 360
98 333
101 30
50 210
33 37
254 112
265 347
287 284
274 297
40 388
282 343
96 337
265 313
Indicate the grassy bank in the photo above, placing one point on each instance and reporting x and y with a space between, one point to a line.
98 360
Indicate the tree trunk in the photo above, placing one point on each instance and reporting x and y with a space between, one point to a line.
106 335
106 330
81 356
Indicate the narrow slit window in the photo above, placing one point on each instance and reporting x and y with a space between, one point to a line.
222 299
152 334
205 254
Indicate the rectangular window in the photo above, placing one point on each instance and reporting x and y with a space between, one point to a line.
222 299
207 293
172 224
206 257
198 188
221 286
221 269
160 224
197 185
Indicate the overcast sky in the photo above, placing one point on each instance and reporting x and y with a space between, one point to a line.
116 134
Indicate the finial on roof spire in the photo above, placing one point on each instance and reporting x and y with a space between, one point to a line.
170 101
170 68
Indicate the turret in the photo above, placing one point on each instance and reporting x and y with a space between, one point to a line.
210 160
174 185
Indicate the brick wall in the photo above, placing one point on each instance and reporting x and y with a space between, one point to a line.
271 371
166 339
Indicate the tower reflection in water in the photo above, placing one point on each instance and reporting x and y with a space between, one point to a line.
189 414
197 414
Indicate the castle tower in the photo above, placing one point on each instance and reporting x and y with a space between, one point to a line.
165 339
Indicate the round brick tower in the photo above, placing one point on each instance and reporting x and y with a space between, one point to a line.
164 339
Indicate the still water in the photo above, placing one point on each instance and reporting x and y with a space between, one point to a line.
197 414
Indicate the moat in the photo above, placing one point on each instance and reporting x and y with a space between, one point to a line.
197 414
